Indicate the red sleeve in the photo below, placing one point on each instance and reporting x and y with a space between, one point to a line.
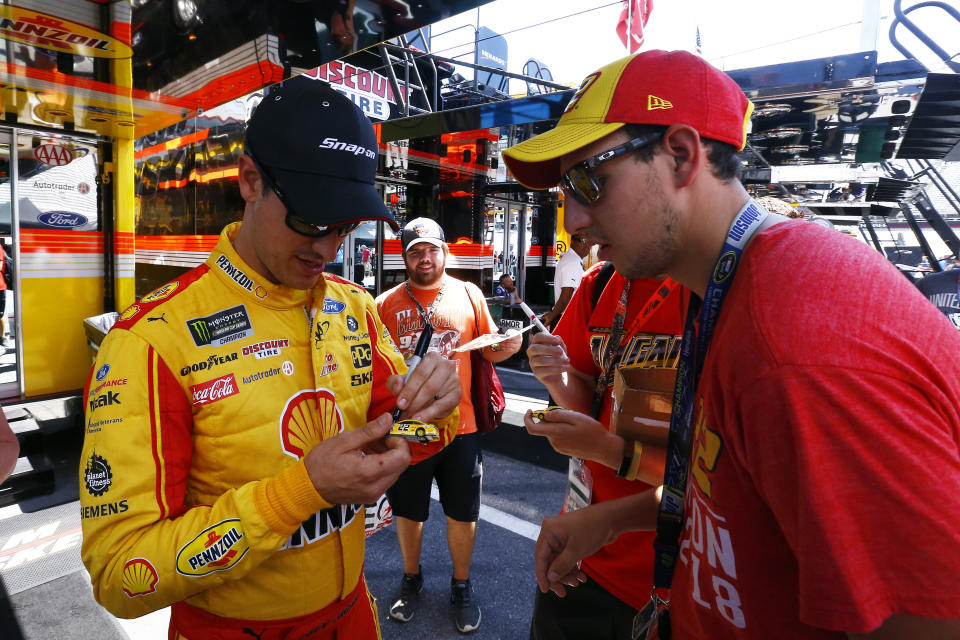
387 361
573 324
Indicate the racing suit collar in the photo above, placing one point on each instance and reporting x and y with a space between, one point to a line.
226 263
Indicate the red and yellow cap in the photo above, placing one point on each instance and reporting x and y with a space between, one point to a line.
652 87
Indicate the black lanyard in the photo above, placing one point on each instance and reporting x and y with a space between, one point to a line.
692 355
433 307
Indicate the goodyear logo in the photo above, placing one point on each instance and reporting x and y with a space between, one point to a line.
217 548
50 32
227 325
161 292
333 306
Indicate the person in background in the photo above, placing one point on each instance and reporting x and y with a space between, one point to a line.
566 277
236 418
6 284
808 414
458 313
942 290
507 289
9 448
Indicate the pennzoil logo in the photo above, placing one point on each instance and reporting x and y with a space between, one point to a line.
586 84
653 103
236 274
50 32
217 548
139 578
161 292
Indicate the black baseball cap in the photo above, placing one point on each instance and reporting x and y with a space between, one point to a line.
321 150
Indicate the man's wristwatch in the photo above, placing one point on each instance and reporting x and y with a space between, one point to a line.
495 347
630 465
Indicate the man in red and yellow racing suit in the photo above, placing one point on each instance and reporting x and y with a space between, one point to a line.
234 428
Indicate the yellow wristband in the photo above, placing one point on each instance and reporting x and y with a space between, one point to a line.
631 463
635 461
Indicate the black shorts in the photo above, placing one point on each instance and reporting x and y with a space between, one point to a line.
3 301
587 611
458 470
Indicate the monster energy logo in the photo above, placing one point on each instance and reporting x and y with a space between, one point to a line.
221 327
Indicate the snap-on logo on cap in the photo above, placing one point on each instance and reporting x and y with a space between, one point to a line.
586 84
348 147
653 102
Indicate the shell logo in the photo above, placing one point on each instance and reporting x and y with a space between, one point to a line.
161 292
309 418
139 578
131 311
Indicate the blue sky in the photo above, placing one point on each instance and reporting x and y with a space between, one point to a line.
735 33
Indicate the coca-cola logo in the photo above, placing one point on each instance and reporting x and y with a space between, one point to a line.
62 219
214 390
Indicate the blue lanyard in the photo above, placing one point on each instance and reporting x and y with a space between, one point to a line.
692 355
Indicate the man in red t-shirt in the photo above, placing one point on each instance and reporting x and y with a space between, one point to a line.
458 313
620 574
822 477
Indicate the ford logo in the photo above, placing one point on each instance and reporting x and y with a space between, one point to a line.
102 372
333 306
62 219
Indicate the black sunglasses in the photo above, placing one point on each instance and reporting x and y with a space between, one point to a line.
580 181
295 222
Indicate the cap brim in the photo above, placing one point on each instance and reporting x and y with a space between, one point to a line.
535 163
434 241
328 200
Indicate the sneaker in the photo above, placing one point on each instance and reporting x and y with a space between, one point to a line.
466 614
8 343
408 597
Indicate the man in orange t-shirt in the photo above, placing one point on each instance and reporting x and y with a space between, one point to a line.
458 313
